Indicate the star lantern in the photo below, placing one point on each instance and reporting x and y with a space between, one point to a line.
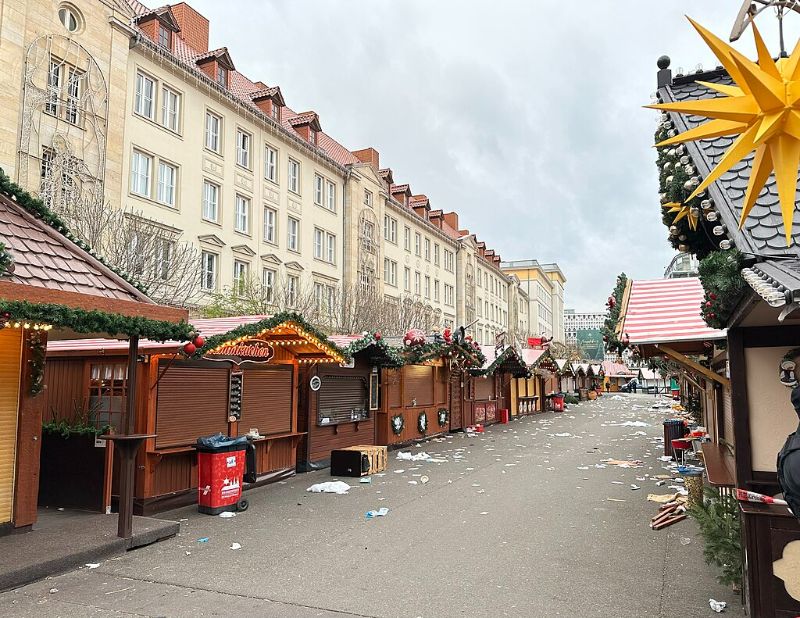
762 109
683 211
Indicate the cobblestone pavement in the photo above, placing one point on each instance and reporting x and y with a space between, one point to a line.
518 521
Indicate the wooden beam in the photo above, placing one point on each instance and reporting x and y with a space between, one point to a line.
623 310
690 364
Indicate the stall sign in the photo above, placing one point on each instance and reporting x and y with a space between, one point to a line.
235 396
247 351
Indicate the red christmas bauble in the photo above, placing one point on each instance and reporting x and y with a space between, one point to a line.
712 296
199 341
711 316
377 336
709 303
189 349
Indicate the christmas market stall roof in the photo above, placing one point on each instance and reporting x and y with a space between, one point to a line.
581 368
772 269
371 344
289 330
564 367
430 347
595 370
665 311
507 359
618 370
48 277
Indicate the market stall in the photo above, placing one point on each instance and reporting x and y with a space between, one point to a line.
424 397
338 404
527 391
616 375
51 286
489 388
566 376
243 380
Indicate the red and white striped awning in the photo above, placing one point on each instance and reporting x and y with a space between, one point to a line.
664 311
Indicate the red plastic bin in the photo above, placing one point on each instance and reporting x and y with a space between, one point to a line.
504 416
558 403
220 474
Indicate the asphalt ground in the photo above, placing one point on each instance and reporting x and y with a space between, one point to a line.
518 521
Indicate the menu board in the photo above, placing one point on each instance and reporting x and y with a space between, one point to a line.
235 395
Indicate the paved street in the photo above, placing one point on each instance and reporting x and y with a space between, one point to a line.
517 522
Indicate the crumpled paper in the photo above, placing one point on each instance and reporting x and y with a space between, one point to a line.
331 487
717 606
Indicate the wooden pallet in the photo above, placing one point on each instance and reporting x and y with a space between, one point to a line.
377 457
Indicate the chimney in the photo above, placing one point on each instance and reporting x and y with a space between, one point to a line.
369 155
451 219
194 27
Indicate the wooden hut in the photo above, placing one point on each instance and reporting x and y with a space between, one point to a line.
566 376
49 286
616 375
425 396
489 388
338 404
527 392
244 380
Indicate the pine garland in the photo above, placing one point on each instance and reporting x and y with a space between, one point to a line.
386 355
718 518
92 321
720 274
675 176
614 304
6 259
470 352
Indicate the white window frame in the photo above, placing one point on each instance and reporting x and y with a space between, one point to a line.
292 285
209 258
213 134
407 279
270 225
293 234
170 113
210 188
427 286
293 175
241 214
330 196
319 189
319 243
268 276
390 272
407 238
270 163
390 229
166 192
136 175
417 244
436 254
427 249
141 100
417 282
241 271
244 148
436 290
330 248
367 198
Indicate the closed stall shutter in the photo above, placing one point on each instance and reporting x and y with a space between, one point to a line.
483 388
192 402
418 385
267 400
10 353
727 414
342 398
392 388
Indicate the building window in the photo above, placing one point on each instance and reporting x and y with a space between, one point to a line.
242 214
407 279
240 276
144 99
390 271
292 285
275 111
449 261
170 109
427 286
319 185
213 132
53 87
270 217
330 240
167 176
243 148
268 283
436 254
69 18
417 283
448 295
164 36
390 229
71 114
417 244
407 238
141 169
367 198
108 390
293 235
436 290
208 270
270 164
319 242
163 265
210 201
222 76
294 176
312 135
331 196
478 279
428 249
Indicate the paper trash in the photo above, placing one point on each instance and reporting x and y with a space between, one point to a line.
331 487
717 606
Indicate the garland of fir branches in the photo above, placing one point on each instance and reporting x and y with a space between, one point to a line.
420 353
386 354
675 174
609 329
6 259
93 321
720 274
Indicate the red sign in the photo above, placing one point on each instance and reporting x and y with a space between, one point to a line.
248 350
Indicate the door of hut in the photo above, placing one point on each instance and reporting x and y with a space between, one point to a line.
456 402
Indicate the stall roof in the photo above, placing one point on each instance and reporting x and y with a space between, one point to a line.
581 367
618 370
508 359
648 374
665 311
531 356
216 331
379 352
564 366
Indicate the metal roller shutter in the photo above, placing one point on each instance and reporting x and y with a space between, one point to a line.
192 402
267 400
418 384
727 415
10 356
342 396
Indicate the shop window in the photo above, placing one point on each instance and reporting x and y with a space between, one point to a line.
107 392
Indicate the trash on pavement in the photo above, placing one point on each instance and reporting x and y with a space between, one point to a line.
53 590
227 514
382 512
331 487
366 480
717 606
235 546
614 500
92 565
686 541
203 540
423 456
630 463
629 424
424 479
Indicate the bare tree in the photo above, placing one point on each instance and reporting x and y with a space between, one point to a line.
568 351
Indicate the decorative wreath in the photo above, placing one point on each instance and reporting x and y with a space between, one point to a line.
398 422
442 415
422 422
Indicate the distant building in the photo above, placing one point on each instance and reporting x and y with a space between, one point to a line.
682 265
586 321
544 286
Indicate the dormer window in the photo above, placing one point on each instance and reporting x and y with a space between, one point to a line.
164 36
222 76
275 112
312 136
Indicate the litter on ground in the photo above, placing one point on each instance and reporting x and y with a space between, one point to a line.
331 487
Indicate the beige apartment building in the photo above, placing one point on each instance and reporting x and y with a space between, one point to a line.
544 286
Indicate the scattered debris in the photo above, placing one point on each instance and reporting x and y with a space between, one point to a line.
631 463
366 480
717 606
92 565
686 541
424 479
235 546
227 514
614 500
382 512
53 590
331 487
634 487
629 424
203 540
423 456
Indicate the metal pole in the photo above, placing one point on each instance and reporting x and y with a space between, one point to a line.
128 464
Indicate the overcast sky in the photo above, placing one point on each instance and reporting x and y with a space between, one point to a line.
523 116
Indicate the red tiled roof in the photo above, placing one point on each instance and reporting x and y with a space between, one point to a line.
44 258
530 355
666 310
303 118
399 188
618 370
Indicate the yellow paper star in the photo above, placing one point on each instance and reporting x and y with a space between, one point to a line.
763 109
683 211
